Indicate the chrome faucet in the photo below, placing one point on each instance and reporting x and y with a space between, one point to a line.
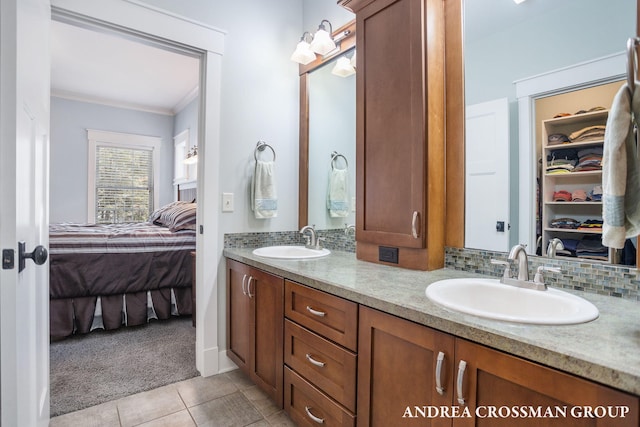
518 252
554 245
312 238
349 228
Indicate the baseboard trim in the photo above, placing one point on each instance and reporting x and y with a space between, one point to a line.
225 364
210 362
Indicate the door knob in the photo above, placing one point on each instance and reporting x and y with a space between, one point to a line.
39 255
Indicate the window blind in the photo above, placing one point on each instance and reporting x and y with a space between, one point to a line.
124 184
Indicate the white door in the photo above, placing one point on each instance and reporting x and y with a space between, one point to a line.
24 170
487 175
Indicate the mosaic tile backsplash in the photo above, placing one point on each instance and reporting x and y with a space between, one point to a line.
604 279
599 278
336 240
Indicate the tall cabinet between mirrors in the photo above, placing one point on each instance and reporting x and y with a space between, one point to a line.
400 132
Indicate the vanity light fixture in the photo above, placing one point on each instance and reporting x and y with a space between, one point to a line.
518 1
322 42
192 156
343 67
303 53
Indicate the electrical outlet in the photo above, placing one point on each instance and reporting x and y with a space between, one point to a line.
227 202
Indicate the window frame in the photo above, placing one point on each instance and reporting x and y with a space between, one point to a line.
120 140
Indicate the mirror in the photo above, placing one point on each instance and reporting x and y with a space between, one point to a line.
327 139
514 43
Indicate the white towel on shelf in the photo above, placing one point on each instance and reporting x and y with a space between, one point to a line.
338 193
620 181
264 196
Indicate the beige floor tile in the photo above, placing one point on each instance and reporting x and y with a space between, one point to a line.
260 400
178 419
104 415
150 405
200 389
239 378
280 419
261 423
227 411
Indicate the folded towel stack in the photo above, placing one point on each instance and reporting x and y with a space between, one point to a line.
264 196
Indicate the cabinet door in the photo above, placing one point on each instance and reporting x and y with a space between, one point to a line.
238 314
267 294
496 380
390 135
397 362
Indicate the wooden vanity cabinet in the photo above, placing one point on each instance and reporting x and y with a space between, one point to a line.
320 356
397 370
496 379
400 147
255 326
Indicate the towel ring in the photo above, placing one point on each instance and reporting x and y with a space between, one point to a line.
334 157
631 63
260 146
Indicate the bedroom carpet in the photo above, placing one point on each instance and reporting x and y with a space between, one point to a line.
106 365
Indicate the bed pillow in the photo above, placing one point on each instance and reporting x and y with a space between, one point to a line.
176 216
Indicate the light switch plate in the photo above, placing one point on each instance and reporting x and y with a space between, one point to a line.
227 202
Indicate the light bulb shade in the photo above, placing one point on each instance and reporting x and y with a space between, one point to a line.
303 54
353 59
322 42
343 67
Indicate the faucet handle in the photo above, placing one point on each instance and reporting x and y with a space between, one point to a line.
318 244
507 267
538 278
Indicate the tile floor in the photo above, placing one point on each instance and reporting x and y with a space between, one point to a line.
229 399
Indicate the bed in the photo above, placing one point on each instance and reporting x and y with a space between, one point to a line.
105 276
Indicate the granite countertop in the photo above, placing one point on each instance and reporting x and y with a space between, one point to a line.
605 350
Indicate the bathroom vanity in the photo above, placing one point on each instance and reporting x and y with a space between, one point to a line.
350 342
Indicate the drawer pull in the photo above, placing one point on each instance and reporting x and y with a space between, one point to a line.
314 361
439 387
316 312
244 279
313 417
461 368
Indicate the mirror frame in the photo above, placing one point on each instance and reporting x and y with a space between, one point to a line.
348 42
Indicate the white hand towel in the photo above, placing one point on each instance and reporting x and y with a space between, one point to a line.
620 183
264 196
338 193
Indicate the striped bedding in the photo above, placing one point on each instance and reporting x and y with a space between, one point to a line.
70 238
123 269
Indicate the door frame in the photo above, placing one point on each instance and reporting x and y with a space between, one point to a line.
166 30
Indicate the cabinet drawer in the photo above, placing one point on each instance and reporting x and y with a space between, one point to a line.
328 366
327 315
308 406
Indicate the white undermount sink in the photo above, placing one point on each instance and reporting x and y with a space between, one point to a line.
290 252
491 299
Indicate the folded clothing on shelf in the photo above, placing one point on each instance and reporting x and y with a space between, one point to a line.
568 223
589 133
561 196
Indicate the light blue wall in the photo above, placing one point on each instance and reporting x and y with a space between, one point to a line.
317 10
69 151
187 118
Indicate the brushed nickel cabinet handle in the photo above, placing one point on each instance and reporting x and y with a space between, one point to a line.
316 312
440 360
313 417
461 368
414 224
314 361
244 278
251 279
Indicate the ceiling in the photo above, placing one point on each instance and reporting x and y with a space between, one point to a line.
109 69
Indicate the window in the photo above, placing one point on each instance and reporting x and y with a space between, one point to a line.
123 176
